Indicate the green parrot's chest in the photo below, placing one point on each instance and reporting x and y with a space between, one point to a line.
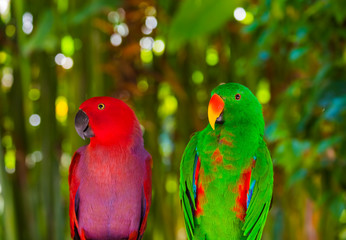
223 180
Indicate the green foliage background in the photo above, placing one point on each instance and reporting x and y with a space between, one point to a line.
292 55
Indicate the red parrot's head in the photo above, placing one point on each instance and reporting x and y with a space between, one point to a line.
106 120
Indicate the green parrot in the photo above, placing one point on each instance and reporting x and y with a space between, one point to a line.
226 173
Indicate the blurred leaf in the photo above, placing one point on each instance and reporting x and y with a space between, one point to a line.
196 18
342 234
322 147
290 153
250 28
299 147
39 39
314 8
277 9
297 176
93 8
274 132
322 73
312 187
337 106
297 53
337 206
343 216
340 16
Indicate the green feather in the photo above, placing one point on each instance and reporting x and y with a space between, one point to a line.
186 176
226 154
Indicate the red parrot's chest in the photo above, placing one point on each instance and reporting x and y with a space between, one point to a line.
110 193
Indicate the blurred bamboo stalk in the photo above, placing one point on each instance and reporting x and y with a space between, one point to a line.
50 176
9 220
22 73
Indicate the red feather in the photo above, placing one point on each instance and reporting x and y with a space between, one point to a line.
111 175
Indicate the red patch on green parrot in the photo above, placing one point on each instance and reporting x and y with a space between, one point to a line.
217 157
226 142
243 186
228 167
200 200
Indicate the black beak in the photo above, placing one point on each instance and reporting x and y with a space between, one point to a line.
81 123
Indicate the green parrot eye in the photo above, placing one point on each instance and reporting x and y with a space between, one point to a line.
101 106
237 96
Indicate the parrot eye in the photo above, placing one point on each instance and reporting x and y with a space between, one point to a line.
237 96
101 106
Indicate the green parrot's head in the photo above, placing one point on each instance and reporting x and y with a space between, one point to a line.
233 104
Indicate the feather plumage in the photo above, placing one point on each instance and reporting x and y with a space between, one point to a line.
226 173
110 178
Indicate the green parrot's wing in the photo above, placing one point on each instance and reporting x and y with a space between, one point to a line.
260 194
186 191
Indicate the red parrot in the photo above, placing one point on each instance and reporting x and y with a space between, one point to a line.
110 178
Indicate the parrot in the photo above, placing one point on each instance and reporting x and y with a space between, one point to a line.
109 178
226 172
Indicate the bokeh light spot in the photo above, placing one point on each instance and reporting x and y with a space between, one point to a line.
7 78
67 45
4 6
113 17
8 123
65 160
164 91
34 94
248 18
263 91
169 106
146 56
27 27
143 85
150 11
10 30
10 161
145 30
35 120
7 141
68 63
60 59
61 109
171 184
116 39
62 5
146 43
239 14
158 47
27 23
27 17
151 22
122 29
3 57
212 57
197 77
37 156
122 14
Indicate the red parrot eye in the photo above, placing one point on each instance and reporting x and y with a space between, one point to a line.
101 106
237 96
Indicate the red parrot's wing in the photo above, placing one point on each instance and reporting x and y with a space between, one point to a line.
147 196
73 183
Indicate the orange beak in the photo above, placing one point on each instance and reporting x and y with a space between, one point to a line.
215 108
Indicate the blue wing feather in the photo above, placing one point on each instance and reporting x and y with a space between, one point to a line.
194 187
252 186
